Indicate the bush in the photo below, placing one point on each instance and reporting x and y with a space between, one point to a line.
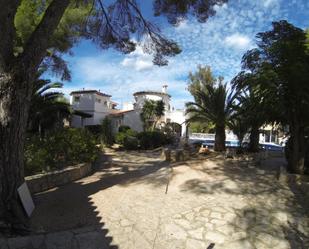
152 139
130 143
124 128
60 149
94 129
131 140
122 136
107 137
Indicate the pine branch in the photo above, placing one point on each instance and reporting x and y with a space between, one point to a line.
36 46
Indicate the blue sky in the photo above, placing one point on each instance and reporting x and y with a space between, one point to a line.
219 43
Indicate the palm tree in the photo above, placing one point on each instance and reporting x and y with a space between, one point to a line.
48 107
213 103
238 124
257 106
151 113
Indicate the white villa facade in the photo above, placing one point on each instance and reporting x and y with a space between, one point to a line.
130 116
95 103
99 105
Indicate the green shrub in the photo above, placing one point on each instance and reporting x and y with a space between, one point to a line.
152 139
35 156
124 128
121 136
59 149
131 140
94 129
107 137
130 143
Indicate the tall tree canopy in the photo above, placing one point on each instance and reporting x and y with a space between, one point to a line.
279 75
36 32
212 103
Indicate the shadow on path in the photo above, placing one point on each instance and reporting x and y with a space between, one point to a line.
275 216
71 206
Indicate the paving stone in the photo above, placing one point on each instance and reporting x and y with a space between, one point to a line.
240 244
266 238
3 244
60 240
184 223
175 231
217 222
239 235
125 222
226 229
195 244
37 241
190 216
246 211
215 237
215 215
197 233
19 243
205 212
281 216
92 240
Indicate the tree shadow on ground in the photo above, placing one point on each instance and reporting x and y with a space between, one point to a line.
71 206
275 214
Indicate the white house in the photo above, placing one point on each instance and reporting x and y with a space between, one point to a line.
130 116
92 106
95 103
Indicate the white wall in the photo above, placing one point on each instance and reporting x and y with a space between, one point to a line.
86 102
179 117
76 121
92 103
176 116
141 98
104 105
133 120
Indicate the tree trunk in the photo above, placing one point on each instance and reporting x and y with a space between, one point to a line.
15 93
296 148
220 138
254 139
14 104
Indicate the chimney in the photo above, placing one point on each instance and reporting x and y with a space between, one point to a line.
164 88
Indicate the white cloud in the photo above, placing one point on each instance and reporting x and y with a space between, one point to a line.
95 68
238 41
138 60
268 3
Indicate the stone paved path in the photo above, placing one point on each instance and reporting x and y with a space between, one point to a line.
213 203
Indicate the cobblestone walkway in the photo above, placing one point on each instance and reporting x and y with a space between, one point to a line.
139 202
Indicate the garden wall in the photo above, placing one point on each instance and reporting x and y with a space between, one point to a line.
42 182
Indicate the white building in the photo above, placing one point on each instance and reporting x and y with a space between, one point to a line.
131 115
95 103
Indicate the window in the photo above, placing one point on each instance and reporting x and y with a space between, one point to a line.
105 103
98 100
76 98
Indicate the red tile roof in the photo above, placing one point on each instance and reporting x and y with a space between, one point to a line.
120 112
